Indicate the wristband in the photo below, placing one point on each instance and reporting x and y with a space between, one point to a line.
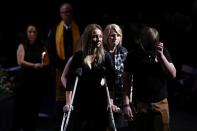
126 105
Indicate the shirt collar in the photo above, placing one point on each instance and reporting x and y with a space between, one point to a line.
67 27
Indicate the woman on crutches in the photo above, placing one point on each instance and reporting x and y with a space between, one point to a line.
90 104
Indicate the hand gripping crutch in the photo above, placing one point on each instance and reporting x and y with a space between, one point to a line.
110 107
66 117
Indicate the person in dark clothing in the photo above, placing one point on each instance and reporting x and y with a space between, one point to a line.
33 58
150 65
113 44
90 104
63 42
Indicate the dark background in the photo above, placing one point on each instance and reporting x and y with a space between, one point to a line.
174 19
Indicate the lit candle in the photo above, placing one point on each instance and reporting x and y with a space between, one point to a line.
43 54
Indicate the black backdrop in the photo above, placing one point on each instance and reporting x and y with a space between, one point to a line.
15 15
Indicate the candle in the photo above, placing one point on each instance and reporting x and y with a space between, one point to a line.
43 54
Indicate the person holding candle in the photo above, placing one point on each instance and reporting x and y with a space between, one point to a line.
32 56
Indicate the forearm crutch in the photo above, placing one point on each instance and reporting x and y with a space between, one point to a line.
66 117
110 107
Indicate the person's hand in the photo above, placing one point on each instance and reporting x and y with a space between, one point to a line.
38 65
128 112
102 82
116 109
67 108
159 49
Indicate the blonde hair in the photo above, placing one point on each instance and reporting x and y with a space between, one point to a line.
107 32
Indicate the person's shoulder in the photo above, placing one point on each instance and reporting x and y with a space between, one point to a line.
79 52
123 49
108 56
77 55
135 53
20 45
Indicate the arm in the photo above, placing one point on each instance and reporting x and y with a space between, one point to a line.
68 105
127 85
67 81
21 61
65 71
168 66
68 93
127 95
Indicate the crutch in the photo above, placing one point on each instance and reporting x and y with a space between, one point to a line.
109 106
66 117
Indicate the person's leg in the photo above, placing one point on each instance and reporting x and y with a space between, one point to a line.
143 117
161 118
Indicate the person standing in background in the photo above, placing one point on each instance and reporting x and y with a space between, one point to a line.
63 42
32 56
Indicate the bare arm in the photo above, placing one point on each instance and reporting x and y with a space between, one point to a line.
169 67
21 56
65 71
68 105
68 97
22 62
64 81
